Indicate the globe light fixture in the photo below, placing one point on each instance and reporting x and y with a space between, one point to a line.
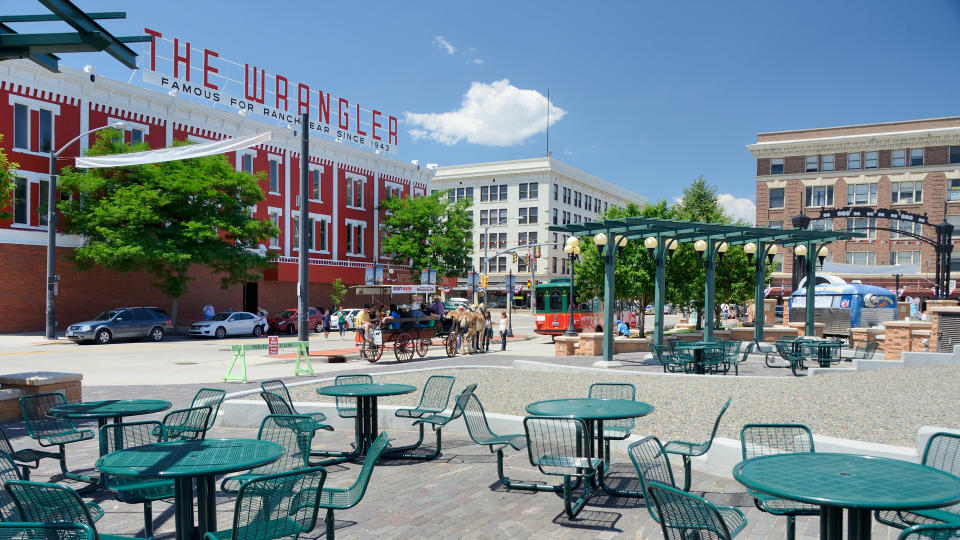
771 253
651 244
600 240
700 246
672 246
722 249
822 254
750 249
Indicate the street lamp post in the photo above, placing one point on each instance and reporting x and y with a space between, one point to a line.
510 284
572 249
51 332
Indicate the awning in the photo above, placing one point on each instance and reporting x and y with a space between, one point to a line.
172 153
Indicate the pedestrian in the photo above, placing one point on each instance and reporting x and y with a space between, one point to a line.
208 312
487 330
229 309
341 322
325 319
263 319
503 330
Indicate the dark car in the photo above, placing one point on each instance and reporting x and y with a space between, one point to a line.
285 322
126 322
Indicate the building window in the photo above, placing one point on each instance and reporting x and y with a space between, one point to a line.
555 192
825 224
497 193
20 203
502 265
21 126
311 226
916 157
523 191
355 238
820 196
853 161
861 258
813 164
554 215
45 130
906 192
953 189
827 162
483 217
275 219
778 262
355 190
136 136
521 239
775 224
901 226
315 184
955 154
862 194
899 158
501 220
484 193
470 216
955 221
870 160
863 225
532 214
274 176
521 264
522 219
776 166
246 163
553 264
776 198
501 240
532 237
905 257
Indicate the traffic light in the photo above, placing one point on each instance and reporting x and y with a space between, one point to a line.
514 257
528 283
536 252
484 281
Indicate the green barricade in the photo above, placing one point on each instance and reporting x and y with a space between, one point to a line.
240 353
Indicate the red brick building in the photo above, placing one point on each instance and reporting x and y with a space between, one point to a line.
40 110
911 166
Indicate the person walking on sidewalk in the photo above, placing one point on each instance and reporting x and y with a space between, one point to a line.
325 321
487 330
342 322
503 330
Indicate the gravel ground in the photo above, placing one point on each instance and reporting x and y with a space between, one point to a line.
882 406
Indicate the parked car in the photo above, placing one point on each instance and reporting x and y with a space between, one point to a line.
221 325
496 303
125 322
285 322
349 314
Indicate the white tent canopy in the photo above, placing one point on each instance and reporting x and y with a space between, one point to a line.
888 269
172 153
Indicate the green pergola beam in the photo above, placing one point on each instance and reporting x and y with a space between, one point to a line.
135 39
51 17
68 42
82 22
48 61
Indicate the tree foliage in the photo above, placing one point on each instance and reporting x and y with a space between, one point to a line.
430 232
7 176
338 293
166 218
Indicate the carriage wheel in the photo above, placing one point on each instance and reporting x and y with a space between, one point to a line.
371 351
423 346
403 348
451 345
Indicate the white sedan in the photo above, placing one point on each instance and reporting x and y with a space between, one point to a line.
237 323
349 314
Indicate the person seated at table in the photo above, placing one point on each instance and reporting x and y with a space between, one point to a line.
622 328
392 319
363 321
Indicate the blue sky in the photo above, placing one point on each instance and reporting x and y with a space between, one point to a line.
651 94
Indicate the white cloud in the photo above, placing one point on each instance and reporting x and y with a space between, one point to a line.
738 208
439 41
567 152
475 61
495 114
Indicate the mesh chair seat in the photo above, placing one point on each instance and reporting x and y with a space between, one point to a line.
941 452
347 406
569 462
280 528
66 438
294 433
680 514
33 454
278 387
944 531
276 505
209 397
132 491
279 406
685 448
688 449
617 433
783 507
45 531
436 395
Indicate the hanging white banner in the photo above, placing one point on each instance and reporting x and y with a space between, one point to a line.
172 153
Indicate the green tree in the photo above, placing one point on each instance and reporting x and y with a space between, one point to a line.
167 218
338 293
7 176
430 232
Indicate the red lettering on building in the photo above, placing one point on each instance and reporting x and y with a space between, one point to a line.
283 95
374 125
208 69
153 47
323 114
177 59
246 83
303 98
359 131
392 130
343 113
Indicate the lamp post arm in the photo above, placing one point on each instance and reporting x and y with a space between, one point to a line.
116 125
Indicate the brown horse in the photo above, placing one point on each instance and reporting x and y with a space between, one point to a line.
468 323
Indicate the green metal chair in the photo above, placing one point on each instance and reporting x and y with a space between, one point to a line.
278 505
437 421
691 449
187 424
616 430
24 457
293 433
668 359
938 531
278 405
942 452
212 397
50 431
344 498
276 386
683 516
115 437
864 351
8 471
560 446
347 406
772 439
48 503
796 359
714 358
435 397
479 430
18 530
732 355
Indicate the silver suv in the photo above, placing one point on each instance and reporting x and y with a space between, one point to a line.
127 322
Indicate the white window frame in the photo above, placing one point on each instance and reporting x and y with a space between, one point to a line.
770 199
824 161
816 164
850 257
902 158
354 179
33 105
777 161
270 162
319 220
869 227
915 257
850 161
872 190
897 226
352 225
240 154
278 212
318 170
869 157
923 157
895 189
144 128
30 178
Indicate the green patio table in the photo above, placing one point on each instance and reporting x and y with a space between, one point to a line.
699 348
859 484
103 411
824 351
184 461
593 411
366 420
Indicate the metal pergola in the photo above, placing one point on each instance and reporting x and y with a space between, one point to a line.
714 235
88 36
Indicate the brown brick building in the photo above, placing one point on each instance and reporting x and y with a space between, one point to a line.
911 166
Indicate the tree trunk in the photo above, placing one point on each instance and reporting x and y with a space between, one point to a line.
643 317
699 319
173 312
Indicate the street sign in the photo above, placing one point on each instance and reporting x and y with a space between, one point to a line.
511 280
273 344
517 288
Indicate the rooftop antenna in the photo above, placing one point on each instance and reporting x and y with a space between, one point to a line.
548 121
